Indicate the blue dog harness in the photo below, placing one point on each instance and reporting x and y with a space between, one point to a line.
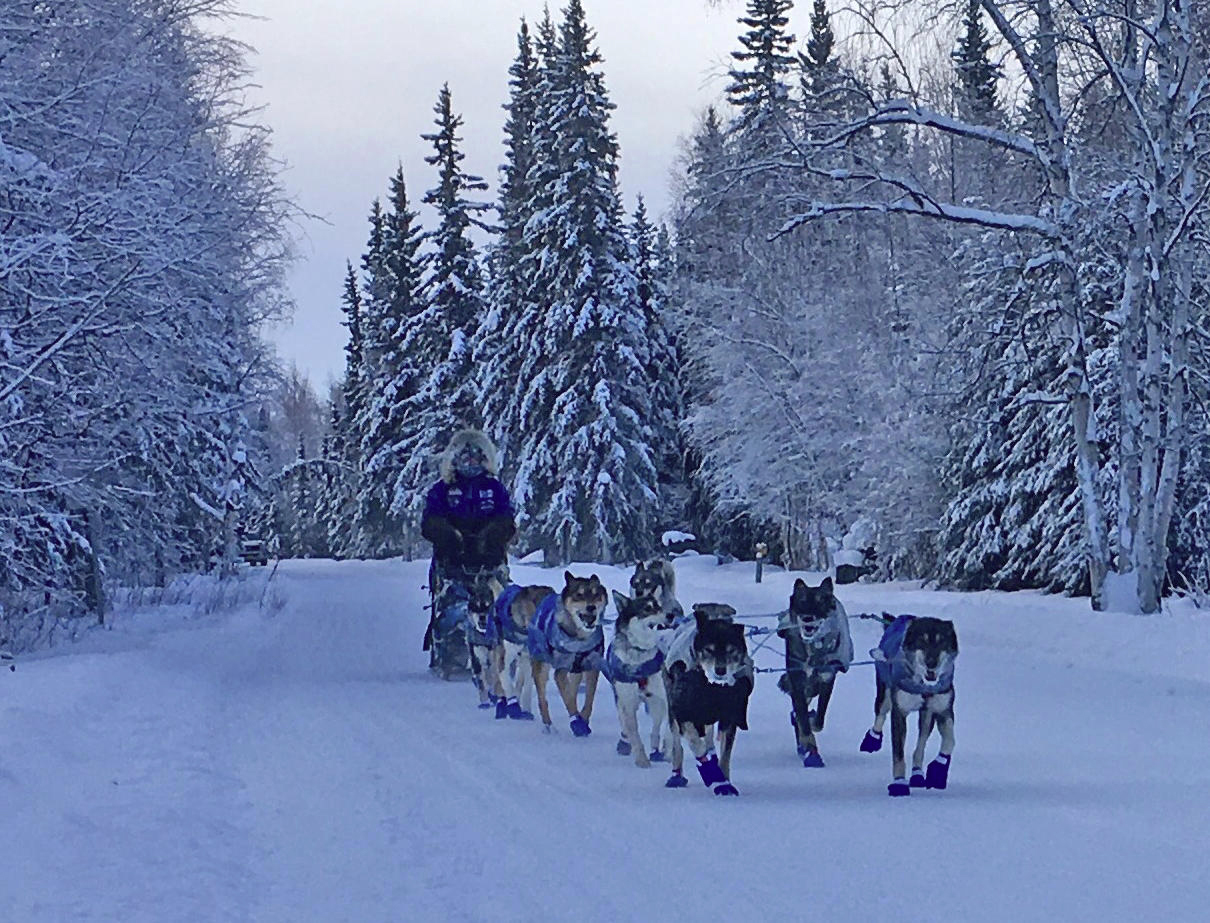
617 670
501 627
892 666
549 643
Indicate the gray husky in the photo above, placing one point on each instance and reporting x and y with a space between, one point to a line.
634 664
914 667
656 579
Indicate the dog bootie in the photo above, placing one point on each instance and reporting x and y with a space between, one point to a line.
726 789
872 742
938 772
501 707
657 756
517 713
709 769
580 727
676 780
623 747
898 789
813 760
917 779
486 705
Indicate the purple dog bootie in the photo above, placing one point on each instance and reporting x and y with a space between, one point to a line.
709 769
623 748
812 760
501 708
898 789
917 779
938 772
580 727
676 780
872 742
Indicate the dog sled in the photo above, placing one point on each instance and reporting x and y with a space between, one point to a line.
449 596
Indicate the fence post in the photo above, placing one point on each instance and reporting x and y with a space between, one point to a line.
761 550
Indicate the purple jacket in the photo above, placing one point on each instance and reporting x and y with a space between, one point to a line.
469 500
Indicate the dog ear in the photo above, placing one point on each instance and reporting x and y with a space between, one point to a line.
568 578
701 616
800 584
621 602
826 586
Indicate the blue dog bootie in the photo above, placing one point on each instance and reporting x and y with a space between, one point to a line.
898 789
917 779
580 727
938 772
657 756
676 780
501 708
726 789
517 713
812 760
872 742
709 769
623 747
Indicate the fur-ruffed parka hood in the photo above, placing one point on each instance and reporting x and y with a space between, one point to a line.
469 437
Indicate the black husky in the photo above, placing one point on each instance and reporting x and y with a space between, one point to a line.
818 646
709 678
914 665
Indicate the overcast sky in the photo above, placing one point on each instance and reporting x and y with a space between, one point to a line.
349 87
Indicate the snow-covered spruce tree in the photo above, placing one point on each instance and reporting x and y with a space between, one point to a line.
586 481
978 77
495 348
438 341
400 351
652 259
759 89
142 247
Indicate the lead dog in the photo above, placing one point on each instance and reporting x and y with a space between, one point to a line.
515 608
633 664
914 666
566 636
818 646
709 677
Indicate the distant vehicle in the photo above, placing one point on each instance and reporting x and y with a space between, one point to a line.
254 551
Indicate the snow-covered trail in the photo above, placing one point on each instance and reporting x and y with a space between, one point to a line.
301 765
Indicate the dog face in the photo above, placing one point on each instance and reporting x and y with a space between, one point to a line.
929 647
584 601
647 579
811 605
482 601
719 648
640 620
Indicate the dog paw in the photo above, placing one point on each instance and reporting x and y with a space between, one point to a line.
623 748
642 761
486 705
937 774
898 789
726 789
676 780
917 779
657 756
547 729
872 742
501 708
580 727
813 760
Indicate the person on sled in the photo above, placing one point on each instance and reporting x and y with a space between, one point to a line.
469 518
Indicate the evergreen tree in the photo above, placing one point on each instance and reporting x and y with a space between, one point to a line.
977 76
586 477
758 80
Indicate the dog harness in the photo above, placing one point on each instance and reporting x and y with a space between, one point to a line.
501 627
830 646
617 670
549 643
892 667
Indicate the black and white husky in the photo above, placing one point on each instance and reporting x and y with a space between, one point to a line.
656 579
634 665
709 677
566 636
480 610
818 646
914 666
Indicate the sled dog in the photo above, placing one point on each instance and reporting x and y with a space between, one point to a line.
514 609
566 635
818 646
914 669
480 611
709 678
633 664
656 579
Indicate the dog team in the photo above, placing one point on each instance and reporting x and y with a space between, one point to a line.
693 673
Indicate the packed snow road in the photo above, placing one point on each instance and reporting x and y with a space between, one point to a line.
296 762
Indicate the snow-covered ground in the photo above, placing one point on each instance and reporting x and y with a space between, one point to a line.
296 762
